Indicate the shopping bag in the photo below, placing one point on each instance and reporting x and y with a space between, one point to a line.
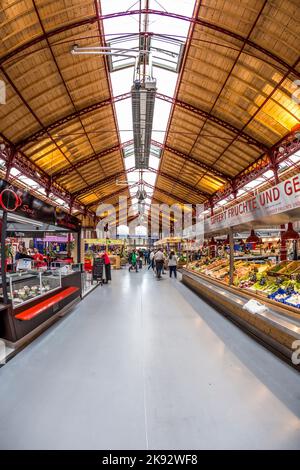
253 306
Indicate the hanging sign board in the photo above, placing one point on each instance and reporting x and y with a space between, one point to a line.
103 241
280 198
21 202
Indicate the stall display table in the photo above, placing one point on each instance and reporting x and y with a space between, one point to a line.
115 261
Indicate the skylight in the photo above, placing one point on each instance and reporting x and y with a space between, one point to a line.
167 40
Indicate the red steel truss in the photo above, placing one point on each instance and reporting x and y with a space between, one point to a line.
15 158
113 177
165 193
180 183
114 194
110 150
283 150
107 179
70 117
87 160
206 115
193 160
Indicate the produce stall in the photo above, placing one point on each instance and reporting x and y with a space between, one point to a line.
268 278
115 249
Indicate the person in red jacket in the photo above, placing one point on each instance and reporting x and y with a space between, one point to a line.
107 267
38 258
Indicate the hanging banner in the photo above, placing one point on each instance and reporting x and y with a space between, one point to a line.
280 198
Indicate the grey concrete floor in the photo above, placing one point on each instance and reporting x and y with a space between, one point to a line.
146 364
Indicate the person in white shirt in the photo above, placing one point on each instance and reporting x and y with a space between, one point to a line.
151 259
159 260
173 264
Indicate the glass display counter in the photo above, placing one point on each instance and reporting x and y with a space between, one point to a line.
24 287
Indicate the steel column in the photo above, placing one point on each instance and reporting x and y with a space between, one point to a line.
3 256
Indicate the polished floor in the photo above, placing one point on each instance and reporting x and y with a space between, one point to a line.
146 364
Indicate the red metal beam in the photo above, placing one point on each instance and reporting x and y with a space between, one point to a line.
70 117
193 160
31 170
111 178
166 193
229 74
114 194
220 122
63 81
283 150
97 5
89 159
103 153
272 155
93 19
102 181
180 183
26 104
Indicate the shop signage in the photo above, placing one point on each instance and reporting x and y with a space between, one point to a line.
19 234
280 198
104 241
21 202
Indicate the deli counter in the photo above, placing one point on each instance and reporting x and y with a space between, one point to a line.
35 299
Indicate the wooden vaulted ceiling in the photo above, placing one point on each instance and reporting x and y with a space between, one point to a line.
233 80
46 84
232 103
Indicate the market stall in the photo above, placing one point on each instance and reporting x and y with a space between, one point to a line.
36 289
255 280
115 248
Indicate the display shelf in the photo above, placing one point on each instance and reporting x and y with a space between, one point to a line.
115 261
24 288
277 328
41 308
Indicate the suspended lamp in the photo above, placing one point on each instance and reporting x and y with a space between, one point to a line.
253 238
290 234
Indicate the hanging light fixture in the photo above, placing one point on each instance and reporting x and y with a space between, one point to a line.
253 238
290 234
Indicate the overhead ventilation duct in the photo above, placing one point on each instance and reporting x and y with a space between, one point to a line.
143 93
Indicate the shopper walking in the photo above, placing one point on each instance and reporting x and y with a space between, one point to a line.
107 266
133 261
159 260
140 259
151 260
173 264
